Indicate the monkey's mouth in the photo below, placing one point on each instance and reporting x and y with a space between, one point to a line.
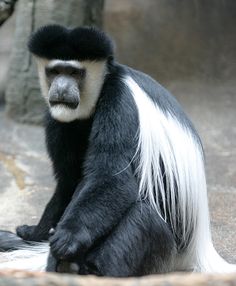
68 104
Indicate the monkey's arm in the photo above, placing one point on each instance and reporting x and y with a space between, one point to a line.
93 212
50 217
62 145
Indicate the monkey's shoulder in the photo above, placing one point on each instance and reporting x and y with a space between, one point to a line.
162 98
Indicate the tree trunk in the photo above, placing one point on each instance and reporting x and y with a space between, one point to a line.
23 100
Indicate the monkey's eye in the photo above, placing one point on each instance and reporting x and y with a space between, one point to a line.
77 72
51 72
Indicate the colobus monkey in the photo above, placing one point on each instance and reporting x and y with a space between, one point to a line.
131 192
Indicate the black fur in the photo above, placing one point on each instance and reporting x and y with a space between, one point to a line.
140 244
58 42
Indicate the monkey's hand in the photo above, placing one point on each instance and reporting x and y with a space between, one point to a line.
32 233
68 242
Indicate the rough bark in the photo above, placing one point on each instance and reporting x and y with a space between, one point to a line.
16 278
23 99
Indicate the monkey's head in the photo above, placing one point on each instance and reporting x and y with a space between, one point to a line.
72 66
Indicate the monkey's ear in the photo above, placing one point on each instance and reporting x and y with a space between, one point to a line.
83 43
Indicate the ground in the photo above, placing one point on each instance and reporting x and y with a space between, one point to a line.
26 181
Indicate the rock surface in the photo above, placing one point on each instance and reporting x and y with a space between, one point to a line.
16 278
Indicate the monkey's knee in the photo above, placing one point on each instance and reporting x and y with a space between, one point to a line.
141 244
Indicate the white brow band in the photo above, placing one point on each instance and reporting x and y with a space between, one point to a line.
73 63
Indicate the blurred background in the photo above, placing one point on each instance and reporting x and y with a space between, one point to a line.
189 46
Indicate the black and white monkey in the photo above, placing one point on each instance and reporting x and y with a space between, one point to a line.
131 192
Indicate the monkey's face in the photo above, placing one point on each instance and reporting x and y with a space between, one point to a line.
65 80
71 88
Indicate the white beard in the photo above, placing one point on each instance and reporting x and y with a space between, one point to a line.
63 113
